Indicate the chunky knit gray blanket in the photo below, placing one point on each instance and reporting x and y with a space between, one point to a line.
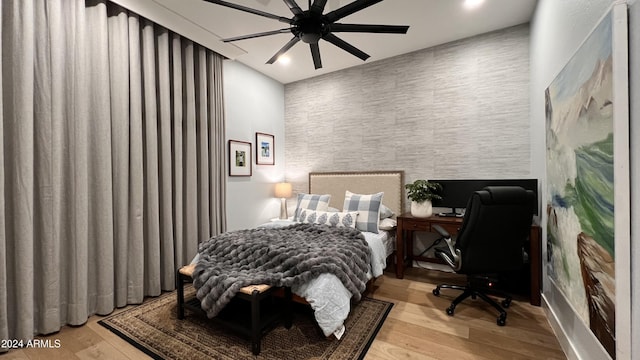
288 256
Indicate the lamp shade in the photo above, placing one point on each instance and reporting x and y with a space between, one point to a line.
283 190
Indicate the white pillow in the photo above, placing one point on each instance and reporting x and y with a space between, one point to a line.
311 202
368 208
336 219
387 224
385 212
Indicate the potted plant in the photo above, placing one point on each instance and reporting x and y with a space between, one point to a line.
421 192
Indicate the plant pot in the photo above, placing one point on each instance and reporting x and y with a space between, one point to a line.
421 209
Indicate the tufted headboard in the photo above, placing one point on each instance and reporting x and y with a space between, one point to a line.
370 182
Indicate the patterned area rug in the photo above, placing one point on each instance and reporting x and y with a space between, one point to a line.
153 327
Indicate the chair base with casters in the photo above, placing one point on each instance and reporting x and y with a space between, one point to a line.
472 290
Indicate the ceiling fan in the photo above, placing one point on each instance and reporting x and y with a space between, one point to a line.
312 25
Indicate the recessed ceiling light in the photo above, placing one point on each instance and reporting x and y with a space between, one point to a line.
284 59
472 4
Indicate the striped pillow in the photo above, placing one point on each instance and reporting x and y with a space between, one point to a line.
368 208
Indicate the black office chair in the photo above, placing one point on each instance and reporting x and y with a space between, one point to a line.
491 240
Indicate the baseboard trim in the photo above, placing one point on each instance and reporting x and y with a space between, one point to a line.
558 329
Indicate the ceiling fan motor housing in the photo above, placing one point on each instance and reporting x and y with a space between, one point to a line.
308 28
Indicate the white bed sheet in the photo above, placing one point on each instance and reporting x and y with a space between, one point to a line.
382 245
329 299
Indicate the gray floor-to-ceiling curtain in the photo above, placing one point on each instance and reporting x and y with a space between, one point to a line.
111 160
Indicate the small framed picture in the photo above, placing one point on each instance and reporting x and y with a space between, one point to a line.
265 151
239 158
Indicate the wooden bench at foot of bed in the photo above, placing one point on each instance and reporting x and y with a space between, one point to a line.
265 310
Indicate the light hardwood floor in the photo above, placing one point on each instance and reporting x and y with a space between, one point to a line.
417 328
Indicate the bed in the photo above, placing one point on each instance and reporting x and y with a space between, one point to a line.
327 293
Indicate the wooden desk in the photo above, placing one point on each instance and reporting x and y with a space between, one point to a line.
407 224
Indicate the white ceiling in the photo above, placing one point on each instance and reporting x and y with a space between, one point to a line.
432 22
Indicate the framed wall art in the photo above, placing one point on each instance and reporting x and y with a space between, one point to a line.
265 152
239 158
587 135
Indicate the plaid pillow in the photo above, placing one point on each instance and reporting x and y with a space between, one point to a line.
368 208
311 202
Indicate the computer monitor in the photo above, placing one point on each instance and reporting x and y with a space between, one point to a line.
456 193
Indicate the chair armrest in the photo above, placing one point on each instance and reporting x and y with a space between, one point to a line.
453 256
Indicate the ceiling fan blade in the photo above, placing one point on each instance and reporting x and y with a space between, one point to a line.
293 6
346 46
349 9
251 36
387 29
250 10
315 54
284 49
318 6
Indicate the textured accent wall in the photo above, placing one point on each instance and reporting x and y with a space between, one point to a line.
459 110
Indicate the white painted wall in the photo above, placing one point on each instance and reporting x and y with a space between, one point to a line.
557 30
253 103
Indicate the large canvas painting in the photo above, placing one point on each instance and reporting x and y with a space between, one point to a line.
581 182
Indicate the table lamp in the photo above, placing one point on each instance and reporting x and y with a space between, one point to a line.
283 191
